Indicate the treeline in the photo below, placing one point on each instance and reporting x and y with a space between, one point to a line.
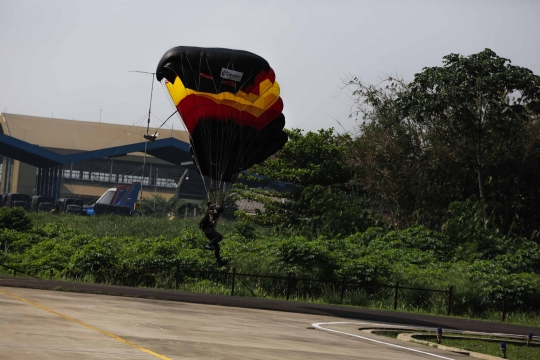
464 136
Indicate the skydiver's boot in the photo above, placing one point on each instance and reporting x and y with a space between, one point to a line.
222 263
209 246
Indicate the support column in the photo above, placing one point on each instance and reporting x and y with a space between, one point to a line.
36 186
40 184
53 182
59 181
9 175
56 182
46 181
52 185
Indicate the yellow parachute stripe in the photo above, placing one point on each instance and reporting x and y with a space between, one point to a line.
269 94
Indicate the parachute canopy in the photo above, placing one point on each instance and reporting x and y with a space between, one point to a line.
229 101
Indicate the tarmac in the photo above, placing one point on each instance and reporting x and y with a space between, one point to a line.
82 322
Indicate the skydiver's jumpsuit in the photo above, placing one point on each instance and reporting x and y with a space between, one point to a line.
208 225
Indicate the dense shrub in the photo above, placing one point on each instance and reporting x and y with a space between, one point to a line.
14 219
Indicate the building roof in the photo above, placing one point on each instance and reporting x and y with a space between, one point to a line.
30 139
76 134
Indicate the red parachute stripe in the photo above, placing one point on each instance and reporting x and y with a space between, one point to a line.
261 76
192 109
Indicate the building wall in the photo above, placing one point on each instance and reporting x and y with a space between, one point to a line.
90 179
24 178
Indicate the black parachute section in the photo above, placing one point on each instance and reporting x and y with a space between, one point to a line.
229 101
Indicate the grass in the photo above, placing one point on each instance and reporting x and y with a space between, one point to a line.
517 351
388 333
136 226
488 345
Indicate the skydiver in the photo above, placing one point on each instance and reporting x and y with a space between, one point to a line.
208 225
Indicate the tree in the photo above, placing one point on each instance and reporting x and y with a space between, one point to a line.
155 206
394 160
324 199
478 108
314 158
179 208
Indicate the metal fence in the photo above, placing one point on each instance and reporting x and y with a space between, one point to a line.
256 285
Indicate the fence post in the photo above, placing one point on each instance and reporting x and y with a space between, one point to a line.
14 272
177 276
50 274
233 278
342 289
288 291
504 305
396 294
186 212
450 300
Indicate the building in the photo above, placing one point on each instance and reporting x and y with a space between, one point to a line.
68 158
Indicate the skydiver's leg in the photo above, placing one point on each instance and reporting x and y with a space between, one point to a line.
216 238
217 249
209 233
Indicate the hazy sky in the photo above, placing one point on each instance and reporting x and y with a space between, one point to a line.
71 58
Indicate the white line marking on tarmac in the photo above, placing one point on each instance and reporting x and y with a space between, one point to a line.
318 326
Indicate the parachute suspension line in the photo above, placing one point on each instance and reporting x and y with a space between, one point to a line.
231 136
163 123
164 87
196 158
204 129
231 139
227 137
150 107
143 164
212 75
227 140
146 138
221 144
240 158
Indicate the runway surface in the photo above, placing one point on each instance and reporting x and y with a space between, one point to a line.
44 324
346 312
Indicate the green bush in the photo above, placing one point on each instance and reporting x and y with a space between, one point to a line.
244 229
15 219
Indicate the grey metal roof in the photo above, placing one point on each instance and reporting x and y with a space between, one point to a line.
76 134
33 149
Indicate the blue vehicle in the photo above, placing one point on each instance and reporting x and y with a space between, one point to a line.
120 200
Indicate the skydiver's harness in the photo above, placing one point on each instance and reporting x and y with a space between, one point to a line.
210 219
